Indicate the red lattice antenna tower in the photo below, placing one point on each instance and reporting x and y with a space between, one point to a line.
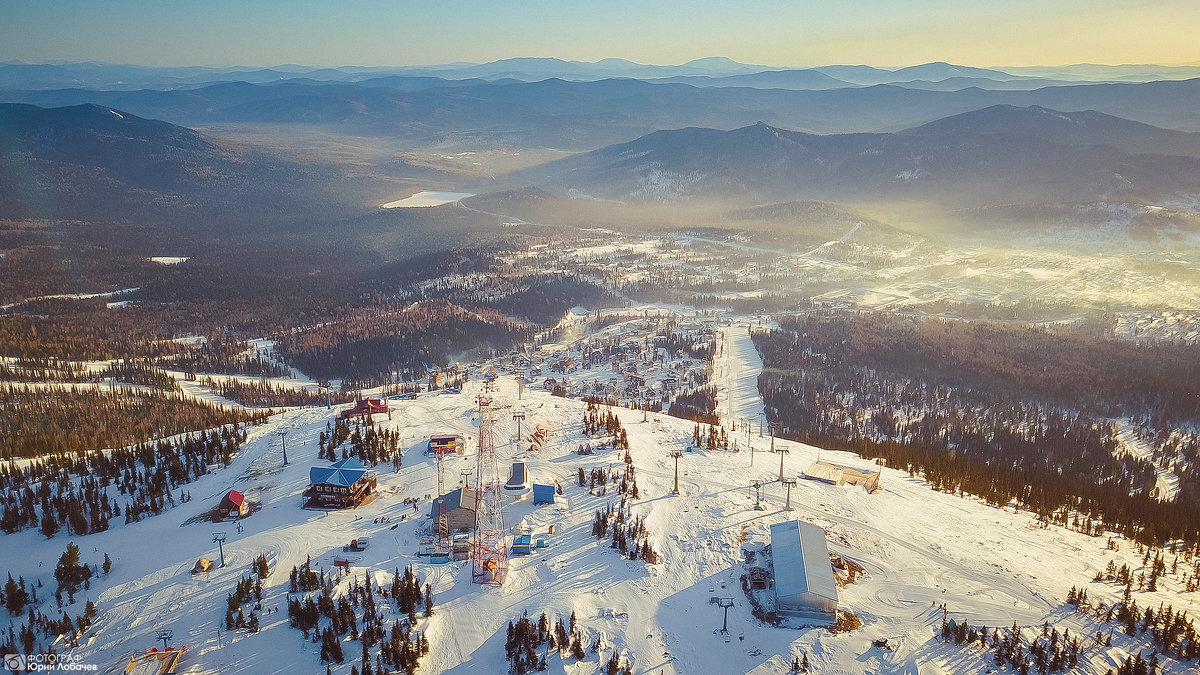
491 552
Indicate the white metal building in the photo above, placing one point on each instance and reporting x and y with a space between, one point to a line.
804 585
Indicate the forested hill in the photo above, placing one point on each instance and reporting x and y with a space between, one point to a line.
1004 412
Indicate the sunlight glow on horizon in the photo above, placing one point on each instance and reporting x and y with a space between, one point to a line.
775 33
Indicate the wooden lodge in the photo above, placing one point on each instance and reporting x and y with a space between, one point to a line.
365 407
345 484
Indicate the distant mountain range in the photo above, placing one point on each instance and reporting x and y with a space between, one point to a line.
997 155
95 163
129 77
588 115
1003 154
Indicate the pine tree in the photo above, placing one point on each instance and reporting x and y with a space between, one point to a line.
577 648
49 524
15 596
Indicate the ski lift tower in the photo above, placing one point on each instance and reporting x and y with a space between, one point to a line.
725 603
789 483
491 552
676 454
756 486
442 547
219 539
165 635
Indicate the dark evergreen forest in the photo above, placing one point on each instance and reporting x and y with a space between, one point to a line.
1007 412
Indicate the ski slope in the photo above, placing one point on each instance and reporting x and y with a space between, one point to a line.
920 549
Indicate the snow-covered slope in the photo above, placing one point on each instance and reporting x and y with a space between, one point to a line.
920 550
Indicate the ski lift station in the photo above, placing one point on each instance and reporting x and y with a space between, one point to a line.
518 480
804 585
843 475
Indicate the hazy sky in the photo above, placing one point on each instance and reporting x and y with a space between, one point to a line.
771 32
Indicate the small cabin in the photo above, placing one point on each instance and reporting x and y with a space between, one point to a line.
234 505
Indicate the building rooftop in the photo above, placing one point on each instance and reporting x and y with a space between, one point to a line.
343 473
800 556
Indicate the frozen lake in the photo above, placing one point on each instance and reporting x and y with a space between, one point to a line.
427 199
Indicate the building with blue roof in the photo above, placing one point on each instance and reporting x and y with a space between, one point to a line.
804 583
345 484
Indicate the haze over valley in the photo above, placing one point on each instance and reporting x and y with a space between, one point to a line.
947 314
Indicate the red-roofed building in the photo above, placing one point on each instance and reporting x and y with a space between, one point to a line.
234 504
365 407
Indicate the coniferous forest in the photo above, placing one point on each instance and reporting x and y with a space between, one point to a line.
1005 412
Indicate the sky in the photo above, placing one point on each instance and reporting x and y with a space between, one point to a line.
885 33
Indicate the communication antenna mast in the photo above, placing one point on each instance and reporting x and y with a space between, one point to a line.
491 553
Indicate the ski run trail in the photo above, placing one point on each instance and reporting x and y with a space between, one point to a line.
920 549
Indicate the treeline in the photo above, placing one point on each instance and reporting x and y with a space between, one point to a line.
1085 506
874 383
697 347
629 534
698 406
524 640
45 494
141 373
70 574
85 330
55 420
368 345
221 354
260 394
606 423
370 443
401 650
1064 366
543 299
1171 631
128 371
44 370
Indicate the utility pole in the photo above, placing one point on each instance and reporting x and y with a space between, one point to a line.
677 455
283 439
519 417
219 539
789 482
